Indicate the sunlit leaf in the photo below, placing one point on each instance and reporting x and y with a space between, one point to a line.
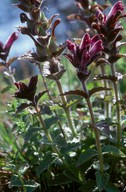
72 102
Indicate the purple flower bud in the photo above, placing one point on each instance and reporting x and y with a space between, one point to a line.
71 46
5 49
110 21
27 91
117 8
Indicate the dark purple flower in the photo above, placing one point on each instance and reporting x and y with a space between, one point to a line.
82 55
116 11
27 91
5 49
110 27
105 23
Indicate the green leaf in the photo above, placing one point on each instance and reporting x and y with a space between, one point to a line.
113 151
70 147
29 185
15 181
85 156
6 89
60 179
73 174
55 107
50 121
111 188
58 139
45 109
72 102
88 186
102 180
47 161
31 133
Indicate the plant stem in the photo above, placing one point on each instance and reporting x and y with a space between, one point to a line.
44 82
11 74
22 183
66 109
49 96
55 149
115 85
107 104
97 136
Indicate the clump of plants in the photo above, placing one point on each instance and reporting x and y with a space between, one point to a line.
65 126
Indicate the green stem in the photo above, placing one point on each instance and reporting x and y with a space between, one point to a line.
66 109
22 183
55 149
97 136
107 104
49 96
116 90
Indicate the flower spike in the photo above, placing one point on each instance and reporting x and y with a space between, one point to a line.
82 55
